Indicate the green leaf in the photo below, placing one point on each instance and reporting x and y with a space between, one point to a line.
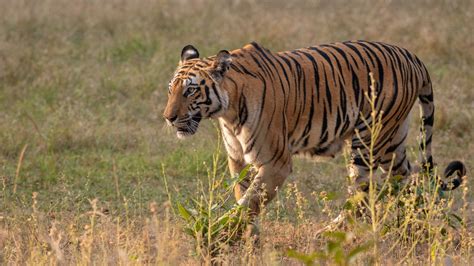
336 235
224 220
357 250
190 232
307 259
201 209
348 205
244 173
185 214
199 225
332 246
339 256
214 207
331 196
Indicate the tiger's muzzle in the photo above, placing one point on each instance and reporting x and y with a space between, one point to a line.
186 126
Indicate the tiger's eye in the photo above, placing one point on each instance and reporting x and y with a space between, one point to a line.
189 91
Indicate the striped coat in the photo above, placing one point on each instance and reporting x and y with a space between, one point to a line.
309 101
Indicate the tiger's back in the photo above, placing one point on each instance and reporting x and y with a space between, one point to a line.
336 79
315 95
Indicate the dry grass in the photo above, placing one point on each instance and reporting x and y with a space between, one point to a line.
83 85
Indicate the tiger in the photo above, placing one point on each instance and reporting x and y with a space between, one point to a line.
310 101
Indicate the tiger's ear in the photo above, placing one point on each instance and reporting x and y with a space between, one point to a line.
189 52
221 65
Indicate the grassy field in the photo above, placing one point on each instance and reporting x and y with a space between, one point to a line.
82 88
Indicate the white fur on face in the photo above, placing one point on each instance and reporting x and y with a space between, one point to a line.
224 99
190 81
182 135
186 82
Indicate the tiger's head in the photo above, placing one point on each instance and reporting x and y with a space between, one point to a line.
195 90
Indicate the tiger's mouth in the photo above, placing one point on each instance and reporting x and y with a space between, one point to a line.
188 127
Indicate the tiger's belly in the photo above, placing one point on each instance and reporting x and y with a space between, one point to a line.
328 151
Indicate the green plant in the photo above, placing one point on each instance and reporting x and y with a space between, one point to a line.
210 217
335 251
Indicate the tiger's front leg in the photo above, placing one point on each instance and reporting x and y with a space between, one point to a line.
271 170
264 186
236 167
235 159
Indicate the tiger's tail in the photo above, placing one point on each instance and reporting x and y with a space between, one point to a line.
454 167
425 98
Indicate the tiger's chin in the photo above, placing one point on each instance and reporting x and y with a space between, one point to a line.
182 134
190 128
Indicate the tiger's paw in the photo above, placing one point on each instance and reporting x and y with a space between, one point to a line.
335 225
252 233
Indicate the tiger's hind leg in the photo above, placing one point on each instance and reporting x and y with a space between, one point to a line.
361 162
391 158
359 170
389 155
395 162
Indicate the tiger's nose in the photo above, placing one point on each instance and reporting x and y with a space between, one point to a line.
170 120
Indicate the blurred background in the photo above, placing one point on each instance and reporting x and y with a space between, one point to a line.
83 85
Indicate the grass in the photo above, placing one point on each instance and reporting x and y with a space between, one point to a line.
84 86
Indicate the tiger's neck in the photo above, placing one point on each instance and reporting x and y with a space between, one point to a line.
233 85
240 79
